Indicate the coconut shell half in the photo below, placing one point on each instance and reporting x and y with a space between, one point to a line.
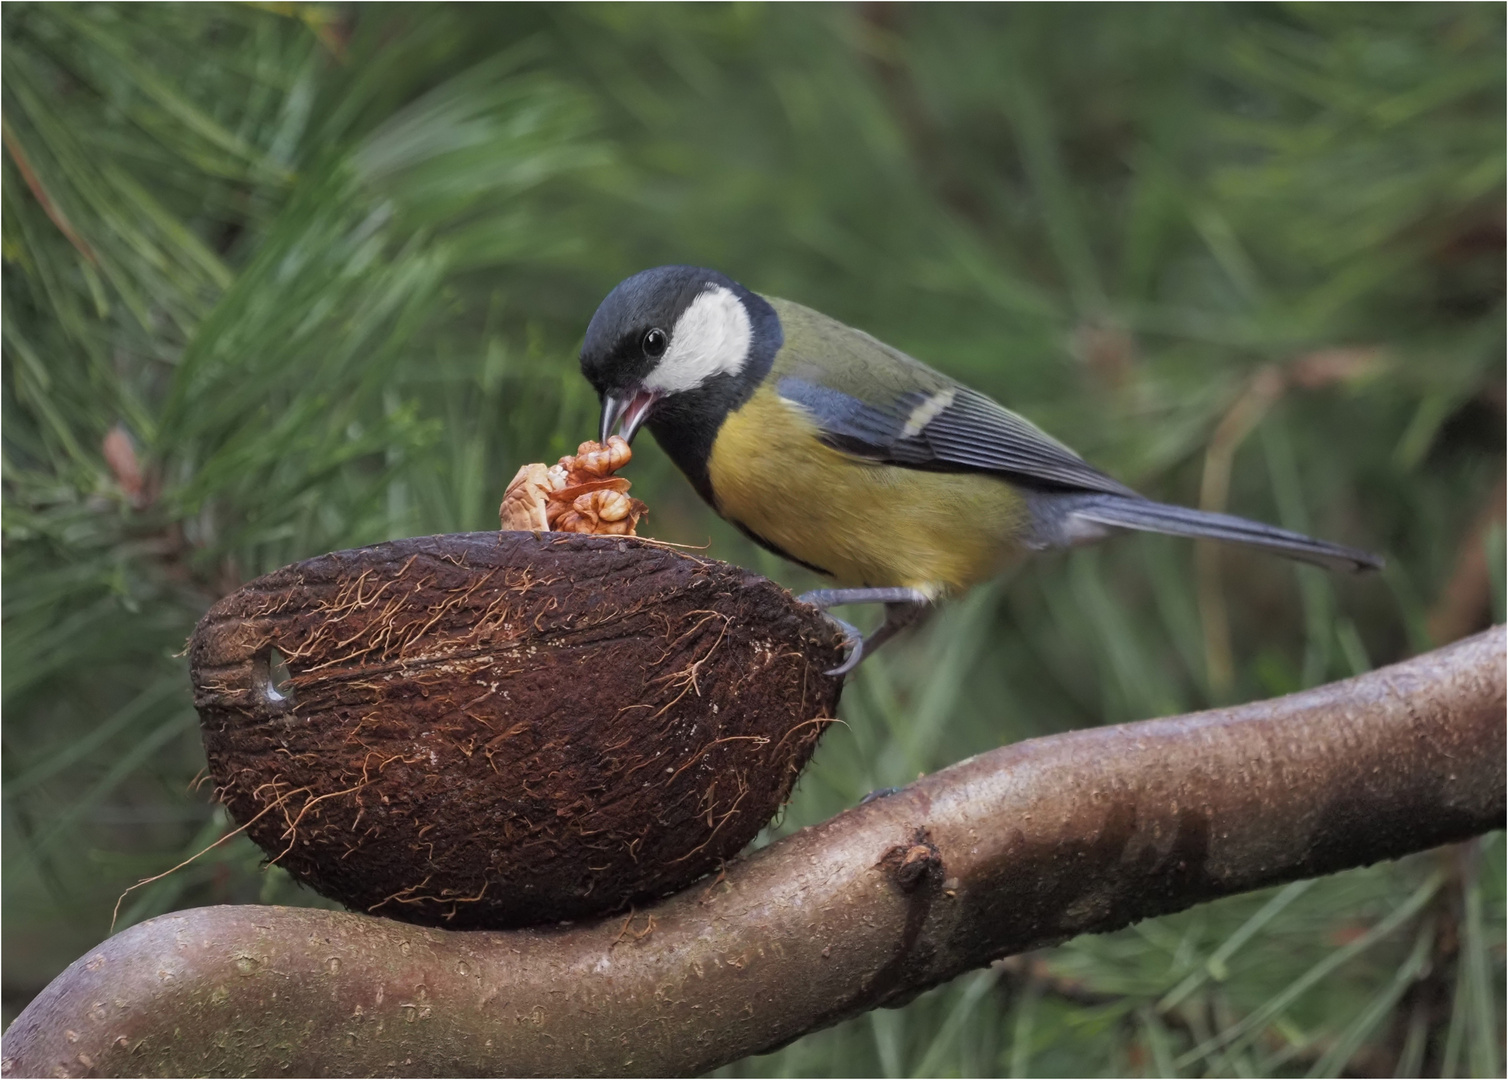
505 729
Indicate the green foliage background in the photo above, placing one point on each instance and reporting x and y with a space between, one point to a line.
327 268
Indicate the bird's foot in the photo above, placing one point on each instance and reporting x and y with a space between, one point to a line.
853 638
902 606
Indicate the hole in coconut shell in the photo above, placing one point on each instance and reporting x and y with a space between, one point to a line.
273 679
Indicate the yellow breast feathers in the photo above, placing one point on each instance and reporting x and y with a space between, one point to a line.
866 524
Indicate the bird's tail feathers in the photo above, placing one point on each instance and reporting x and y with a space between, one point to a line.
1124 512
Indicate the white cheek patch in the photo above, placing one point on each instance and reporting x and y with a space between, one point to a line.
712 337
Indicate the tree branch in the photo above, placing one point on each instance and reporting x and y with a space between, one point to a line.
1015 849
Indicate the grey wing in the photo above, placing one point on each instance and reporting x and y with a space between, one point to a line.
953 429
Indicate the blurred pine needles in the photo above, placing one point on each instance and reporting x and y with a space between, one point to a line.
284 278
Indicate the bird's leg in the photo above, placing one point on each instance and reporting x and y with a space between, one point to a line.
902 608
898 616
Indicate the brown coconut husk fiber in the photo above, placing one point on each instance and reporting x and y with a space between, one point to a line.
503 729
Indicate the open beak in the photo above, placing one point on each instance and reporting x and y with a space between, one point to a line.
630 409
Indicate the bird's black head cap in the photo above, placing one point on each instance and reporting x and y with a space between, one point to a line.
677 348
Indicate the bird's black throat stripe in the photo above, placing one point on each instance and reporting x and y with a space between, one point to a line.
686 425
778 550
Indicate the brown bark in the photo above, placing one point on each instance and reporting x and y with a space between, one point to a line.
1014 849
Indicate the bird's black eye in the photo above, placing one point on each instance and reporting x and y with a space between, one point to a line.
655 342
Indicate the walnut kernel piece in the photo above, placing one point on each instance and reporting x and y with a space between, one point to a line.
523 508
597 460
577 494
600 512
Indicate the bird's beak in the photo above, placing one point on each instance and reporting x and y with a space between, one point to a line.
630 408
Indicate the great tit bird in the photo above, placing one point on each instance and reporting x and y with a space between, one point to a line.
835 451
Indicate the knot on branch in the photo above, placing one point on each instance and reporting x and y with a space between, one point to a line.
912 866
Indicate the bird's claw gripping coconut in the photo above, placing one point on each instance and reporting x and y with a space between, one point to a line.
903 606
